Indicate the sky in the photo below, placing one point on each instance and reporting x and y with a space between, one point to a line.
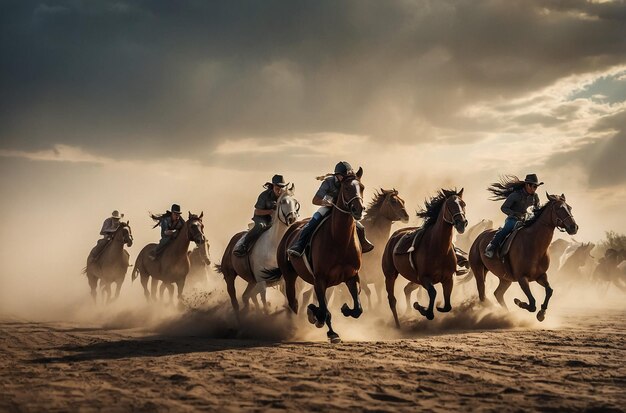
135 105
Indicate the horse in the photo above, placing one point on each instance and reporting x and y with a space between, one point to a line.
528 258
611 269
385 208
335 256
256 265
173 264
433 259
575 261
112 263
199 262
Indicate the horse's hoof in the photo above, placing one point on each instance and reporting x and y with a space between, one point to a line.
345 310
334 338
310 312
430 316
541 315
357 313
417 306
444 309
531 309
518 302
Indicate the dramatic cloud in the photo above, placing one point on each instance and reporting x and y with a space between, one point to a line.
140 79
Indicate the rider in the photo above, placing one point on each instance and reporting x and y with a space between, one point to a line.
519 196
263 211
171 223
109 226
325 197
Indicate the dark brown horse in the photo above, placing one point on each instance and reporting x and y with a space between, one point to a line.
112 263
433 260
528 258
385 209
173 264
335 256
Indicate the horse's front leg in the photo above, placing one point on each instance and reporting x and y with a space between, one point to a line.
531 305
408 290
543 281
432 293
353 287
447 284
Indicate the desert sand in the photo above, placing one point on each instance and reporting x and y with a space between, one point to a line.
471 359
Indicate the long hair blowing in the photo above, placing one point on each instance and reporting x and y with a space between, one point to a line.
507 185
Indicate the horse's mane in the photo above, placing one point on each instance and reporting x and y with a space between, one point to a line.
537 212
433 206
507 185
374 206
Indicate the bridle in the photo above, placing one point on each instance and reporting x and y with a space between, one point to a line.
561 222
447 210
346 204
285 217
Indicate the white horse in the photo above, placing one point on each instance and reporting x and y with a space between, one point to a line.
256 266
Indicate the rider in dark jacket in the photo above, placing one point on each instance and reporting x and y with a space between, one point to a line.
263 211
171 223
521 196
325 197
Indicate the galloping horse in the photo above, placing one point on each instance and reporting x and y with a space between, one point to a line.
385 209
111 266
255 266
172 265
433 260
528 258
335 256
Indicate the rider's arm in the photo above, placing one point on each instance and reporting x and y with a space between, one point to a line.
107 227
318 199
263 205
508 204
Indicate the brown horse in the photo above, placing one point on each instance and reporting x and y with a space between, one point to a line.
335 256
385 209
111 265
528 258
173 264
433 260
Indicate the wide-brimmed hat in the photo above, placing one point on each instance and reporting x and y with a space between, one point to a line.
532 179
175 209
116 214
277 180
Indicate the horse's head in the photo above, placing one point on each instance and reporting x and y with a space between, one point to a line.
125 233
393 206
287 207
351 195
196 228
561 214
454 211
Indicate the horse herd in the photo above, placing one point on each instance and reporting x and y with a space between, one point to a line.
425 256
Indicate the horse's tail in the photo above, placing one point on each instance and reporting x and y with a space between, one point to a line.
273 274
218 268
135 273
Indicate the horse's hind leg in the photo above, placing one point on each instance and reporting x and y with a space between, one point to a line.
247 296
106 289
390 281
408 289
180 286
543 281
232 293
353 287
499 292
153 288
531 305
144 284
93 284
322 315
118 288
161 291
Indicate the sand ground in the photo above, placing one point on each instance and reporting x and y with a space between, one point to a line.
55 366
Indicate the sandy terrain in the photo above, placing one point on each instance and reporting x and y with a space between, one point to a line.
178 364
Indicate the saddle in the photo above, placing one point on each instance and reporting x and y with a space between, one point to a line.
308 258
251 244
506 244
408 241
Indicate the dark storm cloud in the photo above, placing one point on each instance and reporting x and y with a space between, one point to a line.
162 78
602 159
